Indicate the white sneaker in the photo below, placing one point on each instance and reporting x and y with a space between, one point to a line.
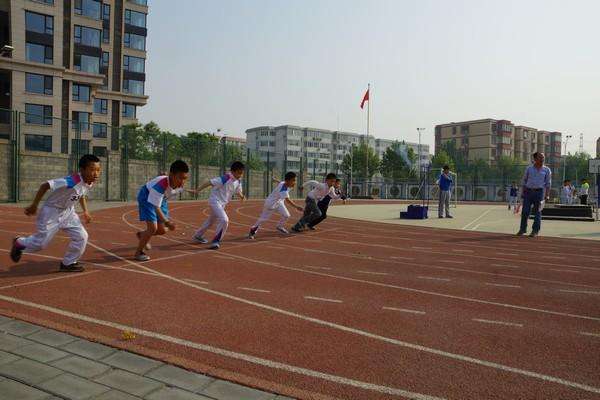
142 257
199 239
283 230
251 236
214 246
148 246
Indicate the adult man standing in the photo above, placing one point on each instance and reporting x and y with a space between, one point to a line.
584 191
536 188
445 183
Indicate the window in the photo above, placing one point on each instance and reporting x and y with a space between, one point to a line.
105 35
101 106
87 36
128 110
99 130
134 41
87 63
81 120
99 151
105 59
133 86
41 84
38 143
39 23
81 92
84 146
38 53
133 64
38 114
135 18
88 8
106 12
140 2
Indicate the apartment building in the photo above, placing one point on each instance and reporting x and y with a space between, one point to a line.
321 150
76 70
489 139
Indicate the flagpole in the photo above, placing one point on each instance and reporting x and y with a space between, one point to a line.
367 141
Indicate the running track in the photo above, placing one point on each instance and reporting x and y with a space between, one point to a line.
354 310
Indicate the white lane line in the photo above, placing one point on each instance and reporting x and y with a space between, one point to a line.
450 261
230 354
254 290
119 244
194 281
314 267
404 310
421 248
463 251
275 247
372 273
506 254
503 285
63 276
185 252
505 266
322 299
555 257
590 334
566 270
486 212
578 291
402 258
433 278
487 321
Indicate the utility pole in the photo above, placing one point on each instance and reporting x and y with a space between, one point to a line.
419 130
565 156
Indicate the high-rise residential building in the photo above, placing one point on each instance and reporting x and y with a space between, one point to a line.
76 66
321 150
489 139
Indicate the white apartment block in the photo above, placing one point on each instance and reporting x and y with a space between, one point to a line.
321 150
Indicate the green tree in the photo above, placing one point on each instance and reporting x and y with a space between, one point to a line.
577 167
398 162
357 159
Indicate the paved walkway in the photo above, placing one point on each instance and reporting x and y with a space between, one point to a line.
43 364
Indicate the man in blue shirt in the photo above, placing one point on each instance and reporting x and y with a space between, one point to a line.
445 183
536 189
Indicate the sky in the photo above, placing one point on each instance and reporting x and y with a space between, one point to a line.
233 65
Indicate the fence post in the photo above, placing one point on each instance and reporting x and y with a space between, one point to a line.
125 165
326 167
314 168
266 185
15 117
301 175
247 185
197 165
223 144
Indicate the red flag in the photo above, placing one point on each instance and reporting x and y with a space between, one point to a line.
365 98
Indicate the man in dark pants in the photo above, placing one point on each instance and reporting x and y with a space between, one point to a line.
324 203
536 189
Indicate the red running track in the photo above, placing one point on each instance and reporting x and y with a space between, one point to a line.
354 310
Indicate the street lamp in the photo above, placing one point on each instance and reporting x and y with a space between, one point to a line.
419 130
565 156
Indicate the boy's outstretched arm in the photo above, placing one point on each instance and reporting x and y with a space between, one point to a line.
203 186
32 209
87 218
291 203
163 219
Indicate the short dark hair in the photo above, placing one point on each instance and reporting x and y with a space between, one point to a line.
330 175
338 180
445 167
237 165
289 175
87 160
179 166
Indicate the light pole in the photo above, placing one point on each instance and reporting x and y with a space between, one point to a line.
565 157
419 130
351 166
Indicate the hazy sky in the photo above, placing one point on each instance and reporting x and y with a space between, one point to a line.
240 64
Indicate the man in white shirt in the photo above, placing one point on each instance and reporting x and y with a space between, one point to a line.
311 209
223 188
276 203
58 212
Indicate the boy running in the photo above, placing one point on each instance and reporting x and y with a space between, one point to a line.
58 212
279 197
153 206
223 188
311 210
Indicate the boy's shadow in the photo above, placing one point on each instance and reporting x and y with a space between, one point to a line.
30 268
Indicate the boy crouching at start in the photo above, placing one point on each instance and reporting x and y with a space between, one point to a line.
58 212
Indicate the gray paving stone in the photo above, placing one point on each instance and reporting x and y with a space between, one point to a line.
51 338
92 350
19 328
29 371
131 362
116 395
7 357
81 366
10 342
224 390
129 383
12 390
40 352
180 378
73 387
174 394
4 319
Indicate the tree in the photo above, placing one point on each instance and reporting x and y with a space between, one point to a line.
357 159
398 162
577 167
440 159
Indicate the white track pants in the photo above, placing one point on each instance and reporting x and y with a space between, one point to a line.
266 214
218 216
49 221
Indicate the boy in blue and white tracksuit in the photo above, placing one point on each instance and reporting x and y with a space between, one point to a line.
223 189
513 196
